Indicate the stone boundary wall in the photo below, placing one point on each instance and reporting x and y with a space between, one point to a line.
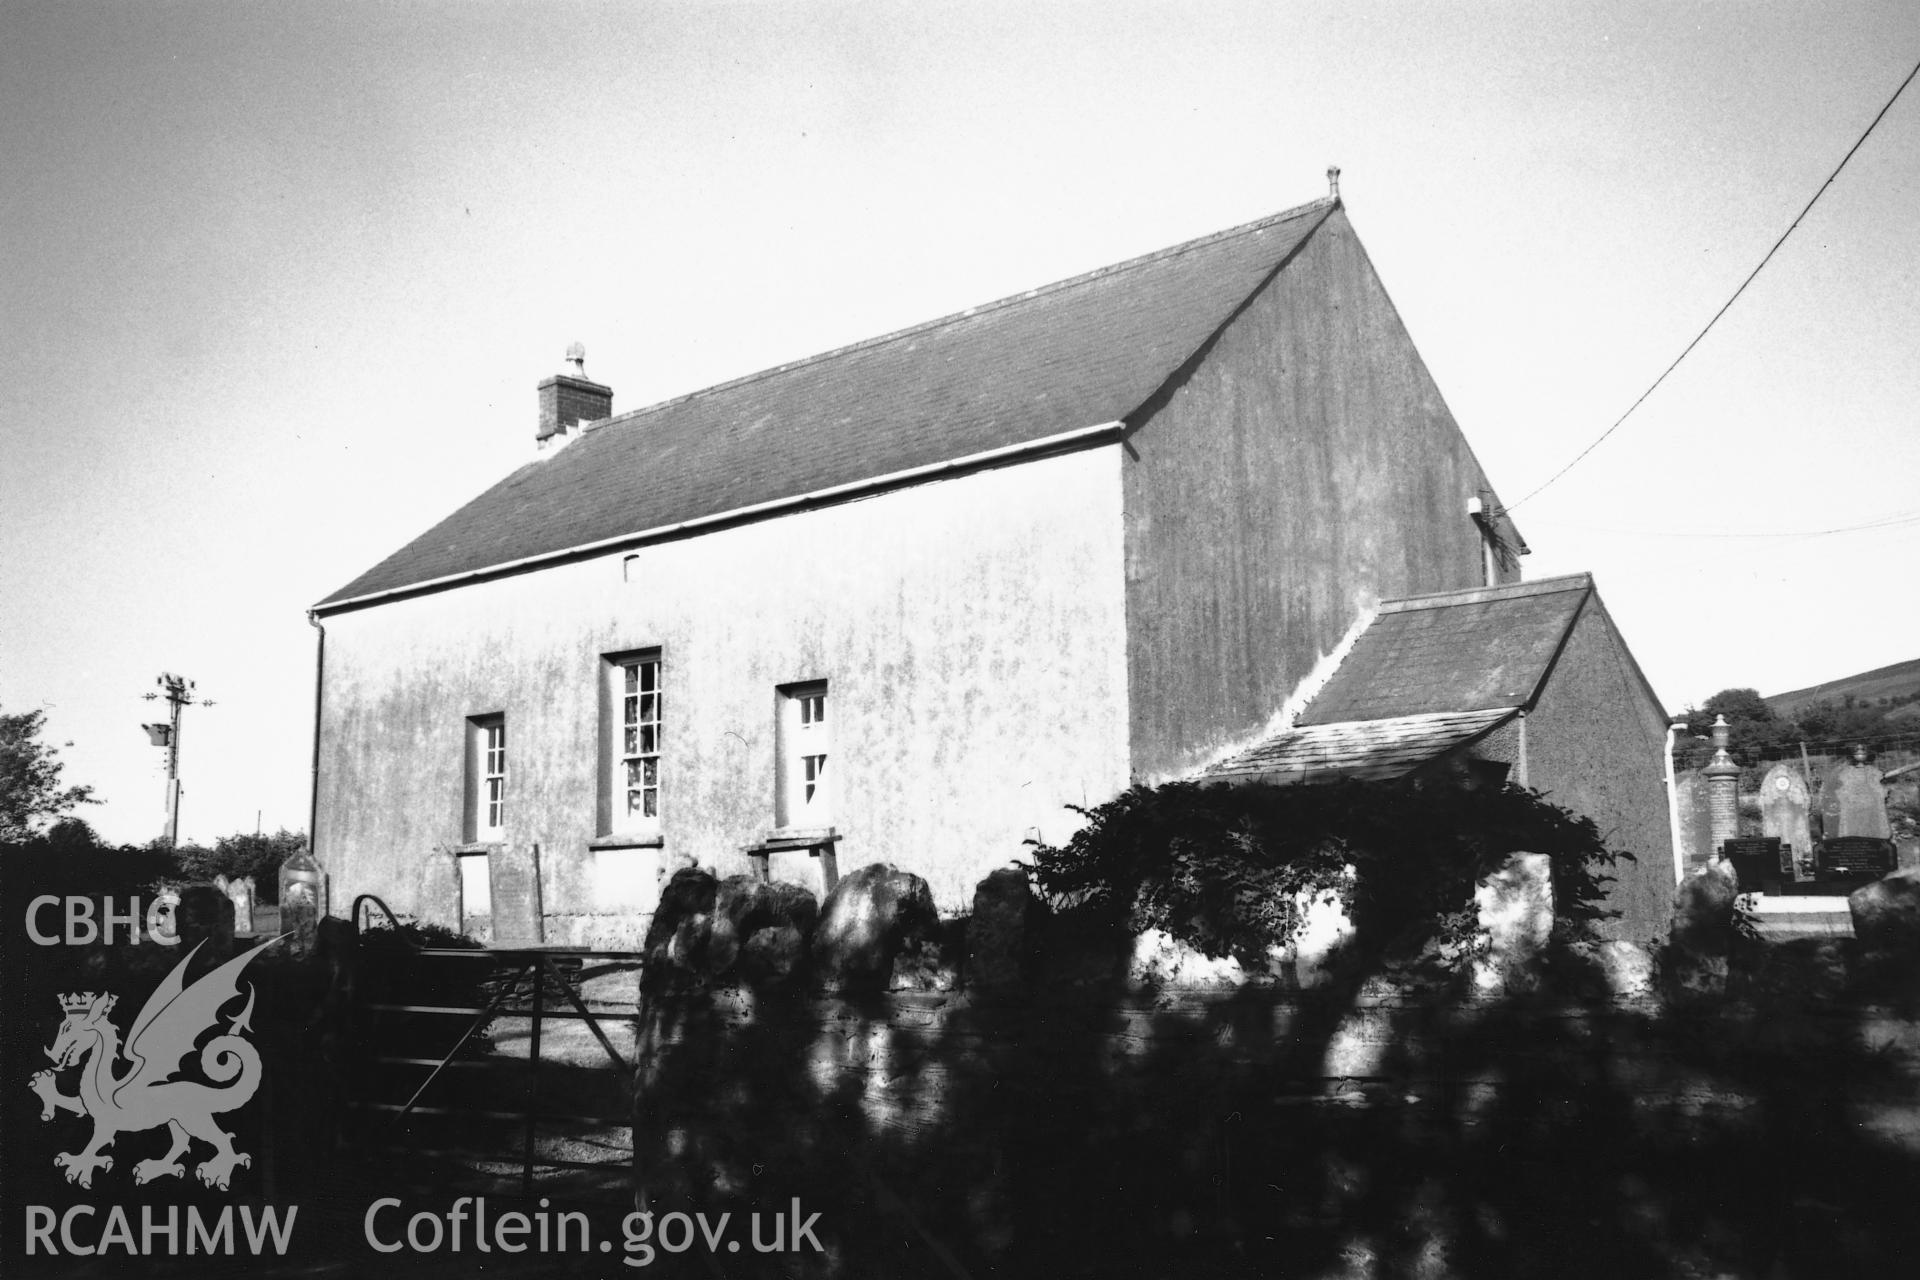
1009 1096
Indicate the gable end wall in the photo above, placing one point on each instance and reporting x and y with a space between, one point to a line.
1300 469
1593 746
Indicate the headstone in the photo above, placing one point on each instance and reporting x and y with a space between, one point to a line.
1857 858
1783 815
1854 801
300 905
513 872
1757 861
1696 818
1723 786
240 893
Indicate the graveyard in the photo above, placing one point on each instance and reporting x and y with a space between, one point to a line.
1801 834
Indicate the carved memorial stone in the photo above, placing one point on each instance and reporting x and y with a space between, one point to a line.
240 893
301 905
1857 858
1696 820
1854 802
1757 862
517 914
1783 815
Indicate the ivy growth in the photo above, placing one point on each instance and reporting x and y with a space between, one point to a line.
1222 866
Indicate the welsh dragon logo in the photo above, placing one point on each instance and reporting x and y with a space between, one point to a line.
145 1095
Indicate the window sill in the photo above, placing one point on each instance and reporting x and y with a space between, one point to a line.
782 839
628 841
478 846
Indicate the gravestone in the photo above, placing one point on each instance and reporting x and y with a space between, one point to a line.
1757 861
301 886
1857 858
1783 816
240 893
514 872
1854 801
1696 819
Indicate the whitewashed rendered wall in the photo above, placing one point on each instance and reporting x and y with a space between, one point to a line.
972 631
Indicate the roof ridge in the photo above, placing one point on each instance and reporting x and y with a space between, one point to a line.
1578 581
1412 715
927 326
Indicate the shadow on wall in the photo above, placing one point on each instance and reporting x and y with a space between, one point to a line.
1026 1094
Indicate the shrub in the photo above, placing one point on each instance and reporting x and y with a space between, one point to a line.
1220 866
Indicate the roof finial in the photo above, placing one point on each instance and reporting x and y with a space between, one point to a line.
1333 182
576 361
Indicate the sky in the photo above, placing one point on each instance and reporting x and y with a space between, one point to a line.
277 283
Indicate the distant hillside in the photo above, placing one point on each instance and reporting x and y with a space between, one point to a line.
1901 680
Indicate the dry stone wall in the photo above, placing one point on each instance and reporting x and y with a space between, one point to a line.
1019 1095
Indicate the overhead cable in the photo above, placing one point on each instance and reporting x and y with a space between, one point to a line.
1730 301
1895 521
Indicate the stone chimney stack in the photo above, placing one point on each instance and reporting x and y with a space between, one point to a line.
569 402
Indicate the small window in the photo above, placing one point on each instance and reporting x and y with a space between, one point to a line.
802 795
486 778
633 712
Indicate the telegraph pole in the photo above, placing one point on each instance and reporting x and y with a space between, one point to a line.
178 691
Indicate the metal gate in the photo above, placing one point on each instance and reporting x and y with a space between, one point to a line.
425 1055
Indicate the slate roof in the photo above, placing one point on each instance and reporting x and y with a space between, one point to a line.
1366 749
1457 651
1428 675
1072 355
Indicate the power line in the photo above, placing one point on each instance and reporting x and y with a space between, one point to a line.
1736 294
1895 521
